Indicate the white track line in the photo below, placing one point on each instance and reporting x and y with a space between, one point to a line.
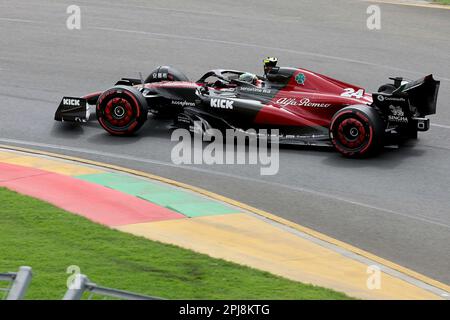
422 4
440 125
233 176
19 20
242 44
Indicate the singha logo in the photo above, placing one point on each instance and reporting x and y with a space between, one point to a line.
397 114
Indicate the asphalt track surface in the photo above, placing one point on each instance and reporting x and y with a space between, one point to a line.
396 205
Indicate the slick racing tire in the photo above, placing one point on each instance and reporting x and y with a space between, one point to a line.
357 131
121 110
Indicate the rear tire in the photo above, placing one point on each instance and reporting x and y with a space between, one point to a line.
357 131
121 110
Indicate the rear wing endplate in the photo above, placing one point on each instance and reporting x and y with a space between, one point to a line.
422 94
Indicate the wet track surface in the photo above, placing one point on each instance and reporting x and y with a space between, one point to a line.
396 205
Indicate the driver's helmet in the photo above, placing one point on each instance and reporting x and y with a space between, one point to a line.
269 64
248 77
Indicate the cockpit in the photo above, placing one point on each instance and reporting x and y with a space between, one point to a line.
221 78
224 79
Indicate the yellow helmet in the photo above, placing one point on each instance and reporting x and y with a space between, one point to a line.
269 64
270 61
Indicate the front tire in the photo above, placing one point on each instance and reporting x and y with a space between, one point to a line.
121 110
357 131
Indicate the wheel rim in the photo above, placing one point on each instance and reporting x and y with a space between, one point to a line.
119 112
352 134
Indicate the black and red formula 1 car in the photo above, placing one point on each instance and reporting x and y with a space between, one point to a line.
306 107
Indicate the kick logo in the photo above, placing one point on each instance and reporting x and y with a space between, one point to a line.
221 103
71 102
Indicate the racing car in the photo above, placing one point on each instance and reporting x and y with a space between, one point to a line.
306 107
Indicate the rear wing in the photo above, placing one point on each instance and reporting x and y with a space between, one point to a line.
422 94
73 109
418 98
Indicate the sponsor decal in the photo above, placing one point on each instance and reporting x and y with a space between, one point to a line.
384 98
71 102
183 103
398 119
160 75
183 118
300 78
179 84
395 99
396 110
398 115
257 90
304 102
221 103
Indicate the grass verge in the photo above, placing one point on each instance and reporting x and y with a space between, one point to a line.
49 239
442 1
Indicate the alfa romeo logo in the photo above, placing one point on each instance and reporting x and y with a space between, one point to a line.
300 78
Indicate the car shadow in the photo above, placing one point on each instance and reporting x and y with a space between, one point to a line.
157 129
389 158
67 130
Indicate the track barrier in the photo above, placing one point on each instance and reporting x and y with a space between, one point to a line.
18 283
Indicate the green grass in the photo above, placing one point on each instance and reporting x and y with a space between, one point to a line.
442 1
48 239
